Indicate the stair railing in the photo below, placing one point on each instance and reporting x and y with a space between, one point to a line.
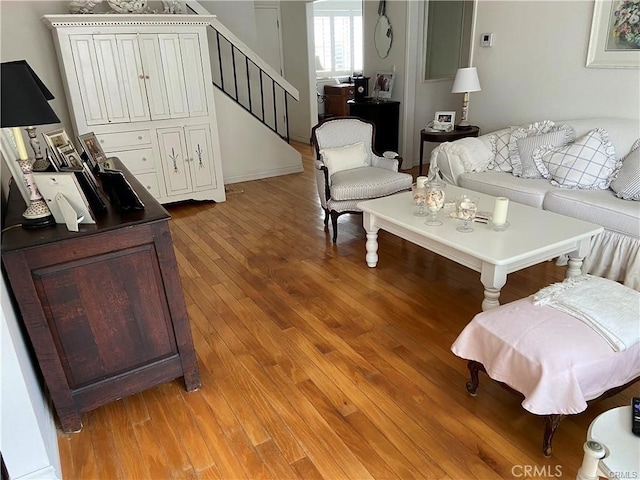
247 79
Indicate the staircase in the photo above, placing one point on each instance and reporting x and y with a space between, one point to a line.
245 78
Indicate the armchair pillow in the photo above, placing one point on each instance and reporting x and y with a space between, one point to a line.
344 158
524 141
588 163
626 181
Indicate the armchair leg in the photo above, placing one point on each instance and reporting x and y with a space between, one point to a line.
334 224
326 217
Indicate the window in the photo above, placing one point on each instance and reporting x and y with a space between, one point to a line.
338 37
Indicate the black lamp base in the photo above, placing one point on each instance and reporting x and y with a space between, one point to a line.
38 222
463 127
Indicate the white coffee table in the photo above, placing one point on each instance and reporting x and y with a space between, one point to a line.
534 236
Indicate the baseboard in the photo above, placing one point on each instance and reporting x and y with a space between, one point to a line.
263 174
46 473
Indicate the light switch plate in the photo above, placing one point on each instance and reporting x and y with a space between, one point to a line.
486 40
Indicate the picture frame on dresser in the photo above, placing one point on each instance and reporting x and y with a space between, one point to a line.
91 146
61 146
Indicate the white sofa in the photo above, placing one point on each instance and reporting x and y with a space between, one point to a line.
614 254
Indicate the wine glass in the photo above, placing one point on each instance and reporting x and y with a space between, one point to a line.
466 208
419 197
434 201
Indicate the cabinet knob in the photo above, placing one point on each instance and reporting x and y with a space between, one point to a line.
148 187
139 137
144 159
101 141
147 77
141 77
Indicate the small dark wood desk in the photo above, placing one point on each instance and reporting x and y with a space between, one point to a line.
103 307
440 137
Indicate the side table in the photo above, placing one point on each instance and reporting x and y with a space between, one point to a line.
609 439
440 137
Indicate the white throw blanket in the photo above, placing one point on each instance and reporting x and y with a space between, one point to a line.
611 309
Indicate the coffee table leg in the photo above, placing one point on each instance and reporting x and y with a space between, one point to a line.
576 257
372 248
493 277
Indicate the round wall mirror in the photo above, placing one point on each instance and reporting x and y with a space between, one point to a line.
383 36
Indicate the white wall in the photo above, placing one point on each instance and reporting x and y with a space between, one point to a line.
533 74
244 152
27 430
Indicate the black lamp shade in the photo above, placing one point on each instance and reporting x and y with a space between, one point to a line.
23 97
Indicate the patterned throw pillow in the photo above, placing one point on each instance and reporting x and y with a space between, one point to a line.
626 182
525 140
500 149
586 163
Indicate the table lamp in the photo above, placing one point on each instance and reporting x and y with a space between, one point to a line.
466 81
24 103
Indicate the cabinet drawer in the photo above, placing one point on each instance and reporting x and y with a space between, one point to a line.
137 161
115 141
150 182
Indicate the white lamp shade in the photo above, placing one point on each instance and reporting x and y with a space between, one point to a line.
466 81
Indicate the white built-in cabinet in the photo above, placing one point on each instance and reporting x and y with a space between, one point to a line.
142 84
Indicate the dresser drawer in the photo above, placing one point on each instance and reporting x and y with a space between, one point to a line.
150 182
116 141
137 161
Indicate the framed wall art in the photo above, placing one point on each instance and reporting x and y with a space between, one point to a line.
615 34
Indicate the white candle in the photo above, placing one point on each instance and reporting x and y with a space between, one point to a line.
22 150
500 208
421 181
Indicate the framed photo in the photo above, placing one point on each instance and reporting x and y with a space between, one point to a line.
92 147
444 121
615 35
383 84
61 146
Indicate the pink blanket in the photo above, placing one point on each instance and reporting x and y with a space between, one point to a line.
556 361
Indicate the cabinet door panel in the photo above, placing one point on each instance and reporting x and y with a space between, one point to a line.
111 75
193 74
107 313
89 82
200 157
133 77
173 75
154 77
174 161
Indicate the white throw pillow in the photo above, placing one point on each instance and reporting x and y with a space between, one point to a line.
344 158
500 149
626 181
473 154
524 141
588 163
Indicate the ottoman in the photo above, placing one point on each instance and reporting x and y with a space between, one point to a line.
555 360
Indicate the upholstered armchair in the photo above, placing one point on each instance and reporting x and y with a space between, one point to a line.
348 171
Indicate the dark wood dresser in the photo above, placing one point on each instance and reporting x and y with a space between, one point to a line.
385 115
103 307
337 97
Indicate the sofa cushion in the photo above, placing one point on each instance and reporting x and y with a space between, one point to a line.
587 163
596 206
530 191
626 181
525 140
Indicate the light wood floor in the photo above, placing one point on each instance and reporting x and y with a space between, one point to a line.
316 366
